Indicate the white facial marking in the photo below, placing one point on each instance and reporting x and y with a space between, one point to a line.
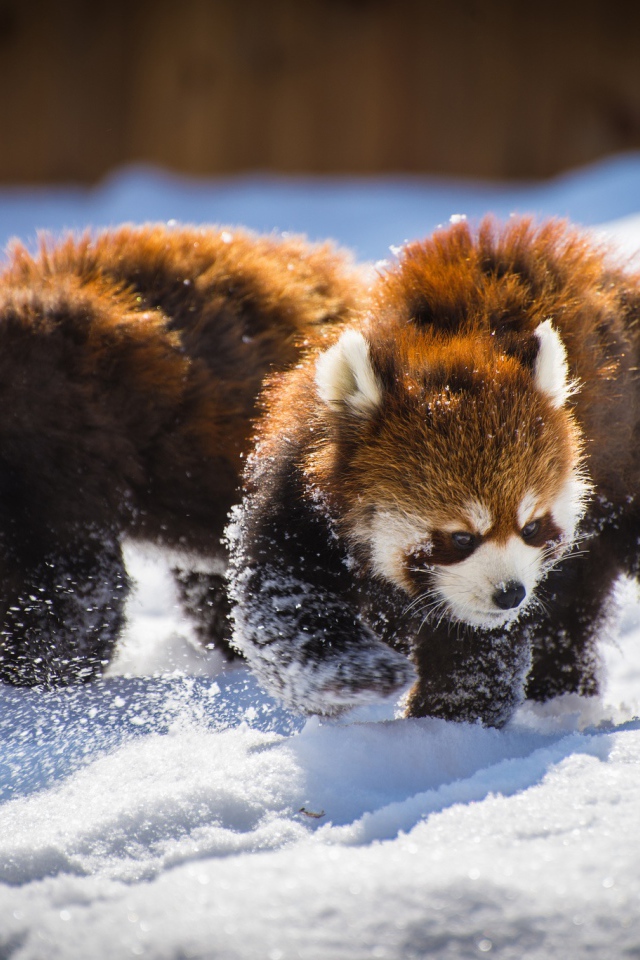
344 375
527 508
479 517
468 587
569 505
551 370
390 536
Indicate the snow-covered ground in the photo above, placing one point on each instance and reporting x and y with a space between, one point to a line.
174 811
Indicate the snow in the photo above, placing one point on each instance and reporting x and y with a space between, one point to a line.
175 811
368 215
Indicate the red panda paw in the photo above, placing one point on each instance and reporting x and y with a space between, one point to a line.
358 676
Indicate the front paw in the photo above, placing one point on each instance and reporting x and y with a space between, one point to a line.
358 677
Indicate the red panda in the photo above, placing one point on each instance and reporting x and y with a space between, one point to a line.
130 363
445 495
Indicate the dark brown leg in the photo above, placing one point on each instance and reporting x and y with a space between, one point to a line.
204 599
469 675
564 635
60 618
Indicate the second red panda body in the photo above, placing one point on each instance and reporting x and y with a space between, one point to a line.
130 363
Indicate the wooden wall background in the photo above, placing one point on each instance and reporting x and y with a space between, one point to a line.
494 88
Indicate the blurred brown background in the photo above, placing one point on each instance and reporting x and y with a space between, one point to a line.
491 88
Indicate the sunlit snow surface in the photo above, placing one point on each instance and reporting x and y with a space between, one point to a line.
173 811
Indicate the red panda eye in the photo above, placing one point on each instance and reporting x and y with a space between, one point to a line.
464 541
530 529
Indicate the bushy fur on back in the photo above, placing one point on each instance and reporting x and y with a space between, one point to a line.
129 368
451 486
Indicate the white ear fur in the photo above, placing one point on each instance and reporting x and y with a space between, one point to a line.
551 370
344 375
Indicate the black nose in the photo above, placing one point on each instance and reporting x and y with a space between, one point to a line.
509 595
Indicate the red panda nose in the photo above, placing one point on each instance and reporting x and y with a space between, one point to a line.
509 595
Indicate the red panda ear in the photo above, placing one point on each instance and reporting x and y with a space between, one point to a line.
550 368
346 378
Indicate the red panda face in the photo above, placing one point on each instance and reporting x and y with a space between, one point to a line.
481 578
459 472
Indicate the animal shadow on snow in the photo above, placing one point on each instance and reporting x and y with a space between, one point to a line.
380 776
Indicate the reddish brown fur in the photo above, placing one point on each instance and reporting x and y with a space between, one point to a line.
172 331
129 367
505 281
